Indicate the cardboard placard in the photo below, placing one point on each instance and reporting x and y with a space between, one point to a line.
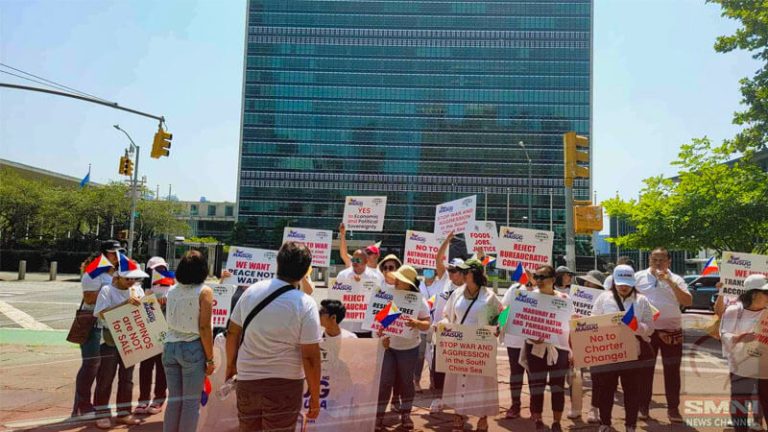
222 300
409 304
455 216
249 265
318 242
482 235
601 340
364 213
583 299
536 316
138 331
463 349
532 248
355 294
737 266
421 249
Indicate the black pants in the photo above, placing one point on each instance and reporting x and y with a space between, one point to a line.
145 380
516 374
742 390
438 378
608 381
672 359
112 365
540 374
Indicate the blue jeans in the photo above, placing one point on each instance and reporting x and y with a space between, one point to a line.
397 367
184 364
90 353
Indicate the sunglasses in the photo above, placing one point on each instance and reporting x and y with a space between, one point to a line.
389 268
539 277
357 260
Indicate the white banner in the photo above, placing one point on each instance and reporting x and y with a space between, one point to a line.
583 299
421 249
249 265
355 294
466 350
408 302
601 340
138 331
533 248
318 242
455 216
482 236
365 213
737 266
222 300
536 316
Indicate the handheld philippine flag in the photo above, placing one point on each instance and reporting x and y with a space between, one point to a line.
711 267
503 317
163 277
630 319
656 312
488 260
520 275
431 302
206 392
388 315
98 266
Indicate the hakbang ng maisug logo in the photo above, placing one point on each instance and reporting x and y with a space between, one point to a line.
239 253
354 202
296 235
417 238
513 235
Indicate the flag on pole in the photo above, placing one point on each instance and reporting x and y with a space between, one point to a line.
388 315
711 267
630 319
87 179
503 317
520 276
98 266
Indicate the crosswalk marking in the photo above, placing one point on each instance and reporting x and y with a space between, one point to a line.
21 318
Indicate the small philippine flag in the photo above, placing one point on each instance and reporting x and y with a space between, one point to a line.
711 267
431 302
98 266
388 315
127 264
520 275
163 277
630 319
488 260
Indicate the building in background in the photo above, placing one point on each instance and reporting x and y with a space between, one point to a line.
209 219
421 101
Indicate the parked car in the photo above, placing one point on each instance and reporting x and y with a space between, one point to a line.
703 290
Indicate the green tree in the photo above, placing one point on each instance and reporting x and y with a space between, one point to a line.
711 205
752 36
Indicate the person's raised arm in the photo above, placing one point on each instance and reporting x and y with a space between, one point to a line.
343 252
206 328
439 266
310 358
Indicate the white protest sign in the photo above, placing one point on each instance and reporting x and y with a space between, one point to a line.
482 236
407 302
421 249
222 300
249 265
463 349
750 359
536 316
364 213
533 248
601 340
455 216
317 241
138 331
737 266
354 294
583 299
349 385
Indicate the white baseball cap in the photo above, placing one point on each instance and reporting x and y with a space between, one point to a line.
156 262
624 275
755 281
454 263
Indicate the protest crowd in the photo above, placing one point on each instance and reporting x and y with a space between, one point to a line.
355 361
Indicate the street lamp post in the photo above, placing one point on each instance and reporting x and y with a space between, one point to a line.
134 184
530 182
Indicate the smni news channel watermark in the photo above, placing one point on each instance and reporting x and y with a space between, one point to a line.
713 413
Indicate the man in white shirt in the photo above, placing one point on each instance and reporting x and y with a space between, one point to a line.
359 279
280 347
666 291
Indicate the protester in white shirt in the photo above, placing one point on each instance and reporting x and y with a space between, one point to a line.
622 298
280 347
124 289
447 280
400 354
332 313
358 278
428 289
372 252
667 292
737 331
389 264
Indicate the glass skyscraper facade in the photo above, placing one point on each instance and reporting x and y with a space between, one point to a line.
421 101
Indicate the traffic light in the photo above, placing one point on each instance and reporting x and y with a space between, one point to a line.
127 166
162 143
576 151
121 167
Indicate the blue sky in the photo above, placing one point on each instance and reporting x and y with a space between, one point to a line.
657 84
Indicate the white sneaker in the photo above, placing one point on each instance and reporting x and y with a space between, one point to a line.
593 416
572 414
436 406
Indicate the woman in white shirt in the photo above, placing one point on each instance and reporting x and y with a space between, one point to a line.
473 305
620 298
188 351
401 353
736 334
